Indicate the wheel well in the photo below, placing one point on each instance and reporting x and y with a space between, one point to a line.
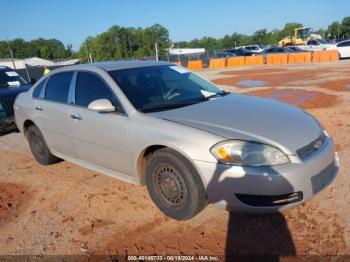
142 161
26 125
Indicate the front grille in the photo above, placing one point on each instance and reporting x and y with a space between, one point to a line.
7 105
270 201
311 148
323 179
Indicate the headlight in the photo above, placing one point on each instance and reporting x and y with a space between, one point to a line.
246 153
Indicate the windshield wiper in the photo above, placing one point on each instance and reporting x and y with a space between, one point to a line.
223 93
161 107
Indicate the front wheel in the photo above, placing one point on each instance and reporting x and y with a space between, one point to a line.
174 185
39 148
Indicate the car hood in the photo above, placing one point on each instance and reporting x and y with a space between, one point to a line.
249 118
6 92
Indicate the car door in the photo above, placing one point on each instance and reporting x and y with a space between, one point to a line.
99 138
50 113
344 49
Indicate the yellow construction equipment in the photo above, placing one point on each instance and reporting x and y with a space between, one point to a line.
301 36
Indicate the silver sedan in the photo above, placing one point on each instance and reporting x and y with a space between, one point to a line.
188 141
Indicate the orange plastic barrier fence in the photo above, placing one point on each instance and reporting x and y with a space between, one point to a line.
277 59
316 56
325 56
299 58
195 65
334 55
217 63
178 63
254 60
235 61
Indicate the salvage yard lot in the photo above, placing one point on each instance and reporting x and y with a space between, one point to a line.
66 209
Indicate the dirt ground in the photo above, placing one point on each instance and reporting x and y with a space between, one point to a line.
66 209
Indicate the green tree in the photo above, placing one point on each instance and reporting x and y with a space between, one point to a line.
126 43
333 30
345 27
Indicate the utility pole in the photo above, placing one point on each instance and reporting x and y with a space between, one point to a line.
156 47
90 57
29 80
129 42
338 30
11 53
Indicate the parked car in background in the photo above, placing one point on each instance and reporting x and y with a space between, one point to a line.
277 50
223 55
343 48
317 45
11 84
187 140
253 48
241 52
295 49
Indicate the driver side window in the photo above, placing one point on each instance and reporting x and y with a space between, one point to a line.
90 87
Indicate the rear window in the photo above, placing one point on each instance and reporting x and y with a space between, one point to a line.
10 78
57 87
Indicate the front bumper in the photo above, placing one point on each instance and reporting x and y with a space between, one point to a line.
269 189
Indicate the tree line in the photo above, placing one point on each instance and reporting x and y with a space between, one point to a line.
51 49
128 42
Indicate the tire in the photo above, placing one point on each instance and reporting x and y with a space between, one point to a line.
39 147
174 185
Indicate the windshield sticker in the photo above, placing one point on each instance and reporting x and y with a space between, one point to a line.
206 93
180 70
11 73
14 83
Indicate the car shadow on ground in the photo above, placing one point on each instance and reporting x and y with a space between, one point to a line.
253 235
8 131
258 235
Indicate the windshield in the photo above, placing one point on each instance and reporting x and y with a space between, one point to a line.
9 78
163 87
323 41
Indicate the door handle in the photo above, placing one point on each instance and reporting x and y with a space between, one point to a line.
76 117
38 108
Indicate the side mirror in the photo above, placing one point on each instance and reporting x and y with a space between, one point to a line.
101 106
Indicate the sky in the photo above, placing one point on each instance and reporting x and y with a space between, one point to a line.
71 21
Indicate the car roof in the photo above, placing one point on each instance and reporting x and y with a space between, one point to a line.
5 68
347 40
114 65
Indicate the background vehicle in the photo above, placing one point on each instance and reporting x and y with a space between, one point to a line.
223 55
317 45
343 49
241 52
11 84
295 49
301 36
277 50
253 48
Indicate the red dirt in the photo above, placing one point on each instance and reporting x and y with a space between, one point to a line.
338 85
11 198
272 77
297 97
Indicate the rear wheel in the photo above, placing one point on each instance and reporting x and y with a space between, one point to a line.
174 185
39 148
